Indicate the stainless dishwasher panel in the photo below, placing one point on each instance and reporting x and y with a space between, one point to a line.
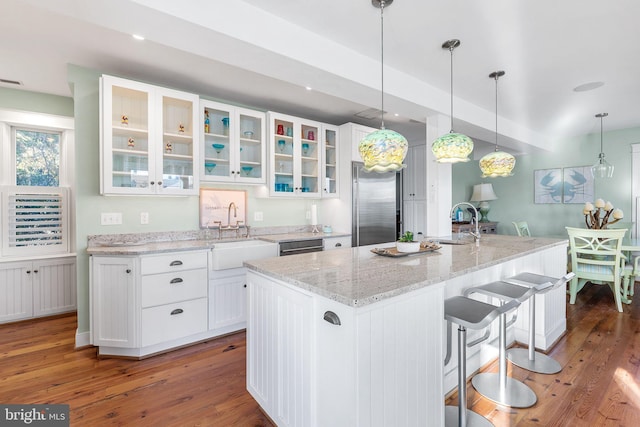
294 247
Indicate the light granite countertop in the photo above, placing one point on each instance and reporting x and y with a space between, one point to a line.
357 277
142 244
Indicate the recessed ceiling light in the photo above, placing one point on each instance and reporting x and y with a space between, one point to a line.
138 37
308 88
588 86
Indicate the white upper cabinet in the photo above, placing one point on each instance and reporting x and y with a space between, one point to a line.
149 139
330 161
295 148
233 148
415 174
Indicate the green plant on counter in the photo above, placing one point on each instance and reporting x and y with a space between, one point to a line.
406 237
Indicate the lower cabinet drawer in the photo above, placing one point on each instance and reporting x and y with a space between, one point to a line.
172 321
175 261
166 288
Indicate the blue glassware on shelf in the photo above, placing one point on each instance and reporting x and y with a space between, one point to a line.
209 166
225 125
246 170
281 145
218 147
305 148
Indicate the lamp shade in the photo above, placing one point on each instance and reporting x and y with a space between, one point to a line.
383 150
483 192
452 148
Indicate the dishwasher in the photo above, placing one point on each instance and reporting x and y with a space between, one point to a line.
294 247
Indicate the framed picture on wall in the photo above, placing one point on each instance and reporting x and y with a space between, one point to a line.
547 186
577 184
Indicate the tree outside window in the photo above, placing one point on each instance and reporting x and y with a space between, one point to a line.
37 158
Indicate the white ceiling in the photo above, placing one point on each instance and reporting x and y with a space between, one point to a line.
262 54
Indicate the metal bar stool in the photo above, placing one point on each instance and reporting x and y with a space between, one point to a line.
531 359
468 313
499 387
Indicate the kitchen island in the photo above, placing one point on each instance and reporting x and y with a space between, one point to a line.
350 338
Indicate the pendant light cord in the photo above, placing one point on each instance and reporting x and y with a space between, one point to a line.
382 63
496 112
451 84
601 149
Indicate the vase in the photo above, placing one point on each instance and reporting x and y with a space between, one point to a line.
408 246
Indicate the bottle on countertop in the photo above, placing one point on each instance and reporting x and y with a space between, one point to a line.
459 215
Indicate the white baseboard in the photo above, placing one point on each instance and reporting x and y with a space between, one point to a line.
83 339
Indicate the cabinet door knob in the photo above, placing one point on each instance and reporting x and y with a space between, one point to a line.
174 263
159 182
177 311
176 280
152 183
28 271
35 271
128 270
244 286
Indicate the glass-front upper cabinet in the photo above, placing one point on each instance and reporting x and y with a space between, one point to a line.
330 165
149 139
233 148
296 155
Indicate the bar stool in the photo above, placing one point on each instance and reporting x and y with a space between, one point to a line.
499 387
531 359
468 313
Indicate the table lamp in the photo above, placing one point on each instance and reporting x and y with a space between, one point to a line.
483 193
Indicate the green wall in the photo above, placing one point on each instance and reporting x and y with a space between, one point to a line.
515 193
14 99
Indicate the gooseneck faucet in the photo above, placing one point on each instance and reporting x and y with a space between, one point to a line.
235 213
475 235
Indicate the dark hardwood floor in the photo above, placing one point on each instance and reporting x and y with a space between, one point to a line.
204 384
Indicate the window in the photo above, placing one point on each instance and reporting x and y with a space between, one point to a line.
36 206
37 157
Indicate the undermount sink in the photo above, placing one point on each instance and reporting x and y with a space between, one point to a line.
233 254
455 241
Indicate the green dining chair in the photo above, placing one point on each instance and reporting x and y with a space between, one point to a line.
596 257
522 228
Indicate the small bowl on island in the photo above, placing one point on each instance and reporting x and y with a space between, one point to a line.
406 243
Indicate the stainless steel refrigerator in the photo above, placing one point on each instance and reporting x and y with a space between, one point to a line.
375 206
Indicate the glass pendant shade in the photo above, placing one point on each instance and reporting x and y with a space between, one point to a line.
497 164
383 150
602 168
452 148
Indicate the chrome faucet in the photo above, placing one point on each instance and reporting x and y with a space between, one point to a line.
476 235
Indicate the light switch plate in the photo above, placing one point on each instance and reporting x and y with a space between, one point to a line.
257 216
144 217
111 218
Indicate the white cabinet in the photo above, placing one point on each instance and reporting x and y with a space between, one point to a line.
149 139
228 300
233 144
16 290
330 161
114 302
37 288
415 174
330 243
148 303
414 189
295 151
358 132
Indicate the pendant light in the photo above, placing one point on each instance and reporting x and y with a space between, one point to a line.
602 169
452 147
383 150
498 163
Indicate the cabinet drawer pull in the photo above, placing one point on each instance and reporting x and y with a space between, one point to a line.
177 311
176 280
174 263
338 245
128 270
332 318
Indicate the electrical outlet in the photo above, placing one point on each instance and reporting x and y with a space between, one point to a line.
144 217
257 216
113 218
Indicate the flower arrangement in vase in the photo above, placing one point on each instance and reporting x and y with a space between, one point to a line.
599 215
406 243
